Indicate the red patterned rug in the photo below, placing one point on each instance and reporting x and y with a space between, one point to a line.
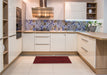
51 59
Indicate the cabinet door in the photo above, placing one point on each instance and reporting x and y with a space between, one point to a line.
71 42
58 42
1 55
75 10
12 17
12 48
28 42
19 45
1 10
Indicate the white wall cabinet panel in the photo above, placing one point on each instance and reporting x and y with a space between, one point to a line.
1 25
58 42
71 42
75 10
58 7
12 17
1 55
12 48
28 42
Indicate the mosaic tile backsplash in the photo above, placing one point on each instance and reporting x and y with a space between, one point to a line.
48 25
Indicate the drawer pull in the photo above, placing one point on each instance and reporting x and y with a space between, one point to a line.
84 40
84 49
42 44
42 36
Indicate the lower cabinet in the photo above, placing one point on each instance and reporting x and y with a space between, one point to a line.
42 42
87 48
19 45
49 42
58 42
71 42
28 42
12 48
1 55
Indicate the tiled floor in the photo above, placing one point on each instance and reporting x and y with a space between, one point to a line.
24 66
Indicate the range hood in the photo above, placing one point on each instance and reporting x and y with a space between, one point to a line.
43 11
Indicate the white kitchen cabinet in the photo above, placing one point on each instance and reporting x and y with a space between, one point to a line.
28 42
1 55
1 16
71 42
87 48
12 48
58 41
1 61
19 45
75 10
42 42
12 17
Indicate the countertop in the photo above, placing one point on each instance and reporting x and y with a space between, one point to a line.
96 35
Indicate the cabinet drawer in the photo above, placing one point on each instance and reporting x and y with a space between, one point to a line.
84 51
42 47
42 40
42 34
84 39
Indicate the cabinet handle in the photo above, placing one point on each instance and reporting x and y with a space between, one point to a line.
85 40
42 36
42 44
84 49
12 35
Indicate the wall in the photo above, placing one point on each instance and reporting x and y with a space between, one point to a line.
105 16
57 4
48 25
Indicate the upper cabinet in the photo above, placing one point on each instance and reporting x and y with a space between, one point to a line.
1 10
12 17
91 10
75 10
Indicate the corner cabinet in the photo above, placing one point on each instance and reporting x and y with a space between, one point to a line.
87 49
75 10
58 42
